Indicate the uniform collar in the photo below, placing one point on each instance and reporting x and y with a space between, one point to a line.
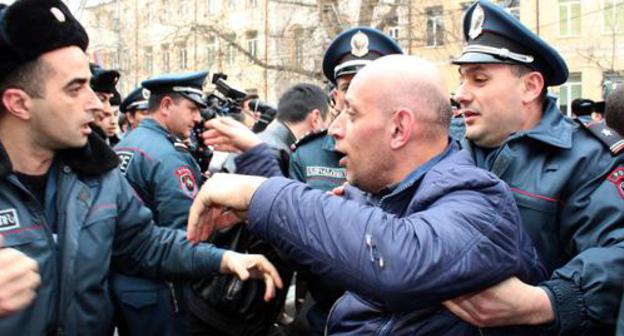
151 123
95 158
329 143
553 128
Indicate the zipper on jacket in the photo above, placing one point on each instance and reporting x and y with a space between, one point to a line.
386 326
174 299
331 311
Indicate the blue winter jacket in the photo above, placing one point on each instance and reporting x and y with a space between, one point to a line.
447 229
100 222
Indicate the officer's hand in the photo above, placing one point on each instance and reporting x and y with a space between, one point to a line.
511 302
19 279
222 202
255 266
228 135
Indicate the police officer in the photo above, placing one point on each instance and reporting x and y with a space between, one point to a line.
314 161
103 84
158 165
134 106
566 180
63 202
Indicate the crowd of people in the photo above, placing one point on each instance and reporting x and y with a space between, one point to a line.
379 205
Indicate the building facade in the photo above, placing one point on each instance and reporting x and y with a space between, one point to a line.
264 46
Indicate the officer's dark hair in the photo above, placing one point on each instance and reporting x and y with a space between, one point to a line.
614 110
154 100
299 100
29 77
520 70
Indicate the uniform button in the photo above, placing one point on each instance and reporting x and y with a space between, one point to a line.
66 169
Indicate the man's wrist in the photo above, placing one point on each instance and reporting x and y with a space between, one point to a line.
540 307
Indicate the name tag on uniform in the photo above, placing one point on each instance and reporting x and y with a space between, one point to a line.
338 173
9 220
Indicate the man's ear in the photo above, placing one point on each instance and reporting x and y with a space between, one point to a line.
401 123
165 105
533 86
17 103
314 119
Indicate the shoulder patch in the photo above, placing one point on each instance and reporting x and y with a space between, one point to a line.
9 220
607 136
307 138
125 157
617 178
186 180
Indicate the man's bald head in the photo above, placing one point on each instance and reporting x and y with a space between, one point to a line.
412 83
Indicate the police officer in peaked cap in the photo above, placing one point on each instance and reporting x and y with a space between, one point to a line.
158 165
134 106
566 180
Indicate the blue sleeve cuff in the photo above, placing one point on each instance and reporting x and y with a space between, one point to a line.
258 161
568 305
206 260
262 203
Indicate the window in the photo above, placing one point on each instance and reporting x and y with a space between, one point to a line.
252 3
613 16
165 58
569 17
232 4
252 43
211 6
211 48
230 49
149 14
182 56
148 61
571 90
435 26
610 82
393 30
511 6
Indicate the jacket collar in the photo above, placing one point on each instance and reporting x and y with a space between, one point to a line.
94 158
553 129
282 131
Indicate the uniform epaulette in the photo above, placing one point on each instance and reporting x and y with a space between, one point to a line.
178 144
307 138
606 136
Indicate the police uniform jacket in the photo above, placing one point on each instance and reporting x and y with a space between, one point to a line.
447 229
100 222
316 163
569 189
161 170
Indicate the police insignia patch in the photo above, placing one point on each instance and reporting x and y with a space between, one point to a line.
9 220
187 180
617 178
124 157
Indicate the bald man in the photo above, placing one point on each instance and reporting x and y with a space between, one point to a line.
423 225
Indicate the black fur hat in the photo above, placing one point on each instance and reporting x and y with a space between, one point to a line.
30 28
